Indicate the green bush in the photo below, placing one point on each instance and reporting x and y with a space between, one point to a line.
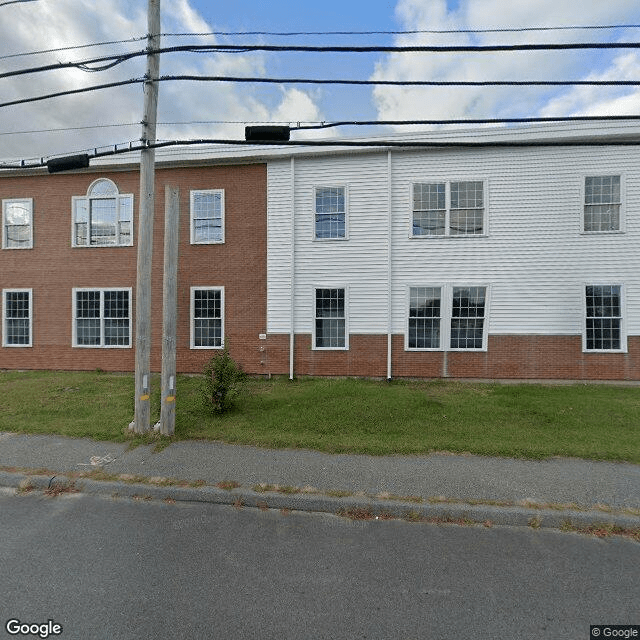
223 382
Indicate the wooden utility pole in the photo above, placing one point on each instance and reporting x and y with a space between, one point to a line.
142 420
166 426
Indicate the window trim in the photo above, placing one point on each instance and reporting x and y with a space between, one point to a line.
447 227
192 318
623 198
446 315
623 316
315 237
74 318
9 201
4 318
314 290
192 233
87 198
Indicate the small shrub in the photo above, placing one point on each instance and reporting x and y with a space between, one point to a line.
223 382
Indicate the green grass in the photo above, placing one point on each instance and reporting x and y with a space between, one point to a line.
346 415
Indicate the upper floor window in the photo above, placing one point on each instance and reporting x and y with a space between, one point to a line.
330 213
602 203
17 224
17 317
448 208
207 216
103 217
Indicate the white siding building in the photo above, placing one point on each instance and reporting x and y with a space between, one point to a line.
513 259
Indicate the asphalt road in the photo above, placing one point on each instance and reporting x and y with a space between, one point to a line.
123 569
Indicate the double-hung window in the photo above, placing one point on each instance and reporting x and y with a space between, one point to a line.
17 317
102 318
603 326
330 326
330 213
17 224
207 216
207 317
103 218
448 209
602 203
447 317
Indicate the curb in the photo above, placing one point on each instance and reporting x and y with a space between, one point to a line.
358 508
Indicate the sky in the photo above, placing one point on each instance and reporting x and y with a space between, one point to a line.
187 109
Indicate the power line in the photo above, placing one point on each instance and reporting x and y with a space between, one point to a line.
72 47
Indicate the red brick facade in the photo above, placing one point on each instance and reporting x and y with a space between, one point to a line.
52 268
507 357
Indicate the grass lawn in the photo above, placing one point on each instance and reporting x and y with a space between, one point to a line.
346 416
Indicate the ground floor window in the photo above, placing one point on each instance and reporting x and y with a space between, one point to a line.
17 317
447 316
603 327
207 317
330 327
102 317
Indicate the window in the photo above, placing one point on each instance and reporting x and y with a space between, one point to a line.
16 330
103 217
447 315
602 203
207 216
448 209
17 224
207 317
330 329
330 212
424 317
102 318
603 318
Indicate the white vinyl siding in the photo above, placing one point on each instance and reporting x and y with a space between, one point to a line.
17 223
533 251
17 318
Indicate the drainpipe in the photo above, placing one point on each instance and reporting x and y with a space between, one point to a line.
389 268
293 268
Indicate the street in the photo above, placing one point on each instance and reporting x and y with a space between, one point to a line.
135 569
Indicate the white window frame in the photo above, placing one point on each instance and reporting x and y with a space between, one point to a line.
192 318
87 199
28 202
314 290
5 319
102 318
316 238
583 204
447 218
192 219
446 315
623 312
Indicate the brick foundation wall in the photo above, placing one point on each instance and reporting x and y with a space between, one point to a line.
508 357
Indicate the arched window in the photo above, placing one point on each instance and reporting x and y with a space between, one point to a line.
103 217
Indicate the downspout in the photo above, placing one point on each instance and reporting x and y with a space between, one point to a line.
389 268
293 268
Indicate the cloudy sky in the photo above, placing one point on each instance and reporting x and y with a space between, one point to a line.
196 109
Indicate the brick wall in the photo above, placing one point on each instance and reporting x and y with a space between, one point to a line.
52 268
508 357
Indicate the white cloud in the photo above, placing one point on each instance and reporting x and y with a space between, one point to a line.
486 102
49 24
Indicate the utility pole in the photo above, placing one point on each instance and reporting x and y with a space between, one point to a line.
142 419
167 423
